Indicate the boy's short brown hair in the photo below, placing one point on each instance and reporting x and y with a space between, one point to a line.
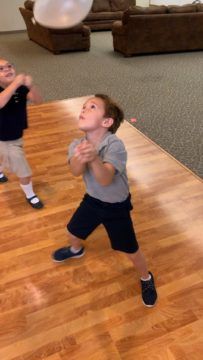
112 110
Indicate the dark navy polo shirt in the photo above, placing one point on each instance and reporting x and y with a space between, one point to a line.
13 116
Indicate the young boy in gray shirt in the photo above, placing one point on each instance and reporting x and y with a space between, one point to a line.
100 157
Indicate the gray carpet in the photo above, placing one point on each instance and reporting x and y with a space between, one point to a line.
163 92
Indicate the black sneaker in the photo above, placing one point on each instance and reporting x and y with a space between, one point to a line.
65 253
3 179
149 294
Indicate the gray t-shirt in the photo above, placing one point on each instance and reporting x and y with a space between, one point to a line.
110 150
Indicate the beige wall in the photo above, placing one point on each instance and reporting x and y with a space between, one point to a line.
170 2
10 17
142 2
162 2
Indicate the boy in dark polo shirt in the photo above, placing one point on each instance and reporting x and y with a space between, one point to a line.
15 90
100 157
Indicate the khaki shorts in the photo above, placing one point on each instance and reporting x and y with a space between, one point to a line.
12 158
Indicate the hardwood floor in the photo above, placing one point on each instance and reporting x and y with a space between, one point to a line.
91 308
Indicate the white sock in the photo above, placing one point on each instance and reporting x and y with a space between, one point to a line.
149 278
1 175
28 190
75 251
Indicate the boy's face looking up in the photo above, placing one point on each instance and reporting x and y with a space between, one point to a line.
7 72
92 116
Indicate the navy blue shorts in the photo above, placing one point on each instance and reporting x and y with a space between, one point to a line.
115 218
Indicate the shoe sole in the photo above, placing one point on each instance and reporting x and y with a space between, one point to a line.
36 207
74 257
3 181
149 306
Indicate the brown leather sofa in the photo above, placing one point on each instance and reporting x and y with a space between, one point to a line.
55 40
159 29
104 12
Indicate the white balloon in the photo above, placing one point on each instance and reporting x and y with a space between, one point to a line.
60 14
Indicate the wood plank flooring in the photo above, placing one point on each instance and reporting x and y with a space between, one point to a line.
91 308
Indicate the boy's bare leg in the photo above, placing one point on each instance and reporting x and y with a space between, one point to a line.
75 242
25 180
140 264
149 294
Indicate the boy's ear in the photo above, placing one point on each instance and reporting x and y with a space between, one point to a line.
108 122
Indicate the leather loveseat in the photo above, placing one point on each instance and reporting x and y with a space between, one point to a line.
104 12
55 40
159 29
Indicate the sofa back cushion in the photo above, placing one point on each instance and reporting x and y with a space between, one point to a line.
121 5
101 5
181 9
139 10
199 7
28 4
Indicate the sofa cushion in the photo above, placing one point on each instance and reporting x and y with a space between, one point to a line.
199 7
181 9
28 4
120 5
101 5
139 10
152 9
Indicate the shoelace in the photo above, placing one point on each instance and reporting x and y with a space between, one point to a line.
147 285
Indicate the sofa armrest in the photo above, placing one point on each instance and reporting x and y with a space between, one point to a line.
86 30
118 28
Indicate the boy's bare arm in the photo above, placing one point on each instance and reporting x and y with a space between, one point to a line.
103 172
34 94
7 93
76 166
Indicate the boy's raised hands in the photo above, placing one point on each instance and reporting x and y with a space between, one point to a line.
85 152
